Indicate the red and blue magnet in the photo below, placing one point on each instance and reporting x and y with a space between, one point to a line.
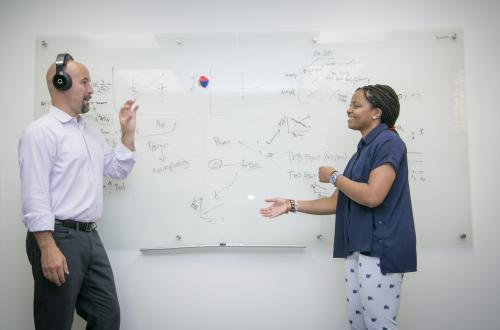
203 81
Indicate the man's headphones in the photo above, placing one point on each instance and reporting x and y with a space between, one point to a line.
62 80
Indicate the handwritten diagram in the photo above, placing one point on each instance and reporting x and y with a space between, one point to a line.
256 116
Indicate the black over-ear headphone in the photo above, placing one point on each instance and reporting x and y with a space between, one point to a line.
62 80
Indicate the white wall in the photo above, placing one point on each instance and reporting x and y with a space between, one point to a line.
454 288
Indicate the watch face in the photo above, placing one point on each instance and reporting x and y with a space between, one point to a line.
334 176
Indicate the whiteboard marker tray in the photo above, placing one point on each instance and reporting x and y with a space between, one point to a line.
221 246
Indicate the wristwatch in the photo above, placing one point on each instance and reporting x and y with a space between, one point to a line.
334 176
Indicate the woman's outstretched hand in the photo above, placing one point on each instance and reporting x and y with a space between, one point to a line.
278 207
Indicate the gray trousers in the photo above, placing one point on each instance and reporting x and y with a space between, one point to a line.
372 298
89 288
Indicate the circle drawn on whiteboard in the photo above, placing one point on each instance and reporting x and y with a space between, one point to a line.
203 81
215 164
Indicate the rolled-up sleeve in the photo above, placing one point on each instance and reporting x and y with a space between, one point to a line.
118 162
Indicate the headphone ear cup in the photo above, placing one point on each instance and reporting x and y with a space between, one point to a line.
62 81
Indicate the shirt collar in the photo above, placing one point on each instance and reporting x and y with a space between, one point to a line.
372 135
63 117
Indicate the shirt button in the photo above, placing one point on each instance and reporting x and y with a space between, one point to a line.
380 222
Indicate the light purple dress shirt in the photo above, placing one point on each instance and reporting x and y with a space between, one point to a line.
62 162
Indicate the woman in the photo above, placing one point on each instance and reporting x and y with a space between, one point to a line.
374 229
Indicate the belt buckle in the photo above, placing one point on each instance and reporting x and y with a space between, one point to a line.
90 226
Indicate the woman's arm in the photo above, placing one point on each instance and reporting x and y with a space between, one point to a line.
279 206
370 194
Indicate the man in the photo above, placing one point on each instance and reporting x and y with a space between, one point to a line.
62 162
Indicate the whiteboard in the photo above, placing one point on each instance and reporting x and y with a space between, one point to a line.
273 109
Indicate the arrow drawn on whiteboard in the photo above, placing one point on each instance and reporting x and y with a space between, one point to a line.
274 136
257 149
203 213
217 192
157 134
213 208
246 145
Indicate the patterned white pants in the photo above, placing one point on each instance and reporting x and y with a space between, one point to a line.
372 298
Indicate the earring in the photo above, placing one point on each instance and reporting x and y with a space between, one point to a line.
374 117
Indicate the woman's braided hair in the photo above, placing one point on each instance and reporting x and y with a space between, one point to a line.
386 99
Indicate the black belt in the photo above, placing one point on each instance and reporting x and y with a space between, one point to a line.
82 226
